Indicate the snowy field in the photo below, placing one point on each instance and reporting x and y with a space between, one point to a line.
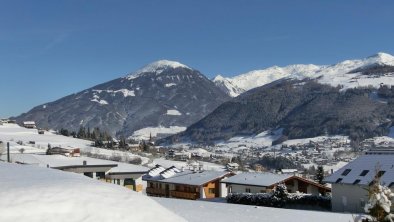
197 211
145 133
266 138
31 193
13 133
36 194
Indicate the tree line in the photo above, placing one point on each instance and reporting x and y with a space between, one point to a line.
101 138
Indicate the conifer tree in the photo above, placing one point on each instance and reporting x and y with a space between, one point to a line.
379 200
320 174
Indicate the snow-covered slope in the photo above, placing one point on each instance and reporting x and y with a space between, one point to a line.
13 133
31 193
348 73
196 211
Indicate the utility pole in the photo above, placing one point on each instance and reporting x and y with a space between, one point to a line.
8 152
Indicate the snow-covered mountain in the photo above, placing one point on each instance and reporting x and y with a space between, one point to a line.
349 74
163 94
305 101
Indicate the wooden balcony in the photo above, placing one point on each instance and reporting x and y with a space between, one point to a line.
184 195
155 191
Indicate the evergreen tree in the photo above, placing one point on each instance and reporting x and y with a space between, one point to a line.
320 174
81 133
379 203
89 135
279 195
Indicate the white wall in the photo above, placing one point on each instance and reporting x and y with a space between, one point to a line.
223 190
235 188
312 190
348 198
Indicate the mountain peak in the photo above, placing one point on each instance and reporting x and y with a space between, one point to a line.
218 78
157 67
382 58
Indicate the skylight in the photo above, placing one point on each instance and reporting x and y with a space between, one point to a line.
380 173
364 173
346 172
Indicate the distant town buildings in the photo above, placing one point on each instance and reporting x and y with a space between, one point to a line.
29 124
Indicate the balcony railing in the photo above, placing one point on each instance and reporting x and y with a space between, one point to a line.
184 195
155 191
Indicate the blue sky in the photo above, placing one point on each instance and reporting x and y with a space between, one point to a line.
49 49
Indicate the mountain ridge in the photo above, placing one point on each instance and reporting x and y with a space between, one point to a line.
332 74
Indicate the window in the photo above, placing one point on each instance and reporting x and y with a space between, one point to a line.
211 190
380 173
88 174
364 173
128 181
100 175
356 182
346 172
247 190
339 180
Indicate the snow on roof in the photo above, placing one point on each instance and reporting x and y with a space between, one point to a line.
257 179
59 161
29 123
128 168
363 169
195 178
288 170
233 164
174 175
37 194
156 171
169 172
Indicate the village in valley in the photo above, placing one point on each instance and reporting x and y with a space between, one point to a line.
196 111
325 175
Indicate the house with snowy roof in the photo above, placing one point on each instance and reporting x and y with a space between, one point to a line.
29 124
265 182
350 183
123 174
184 184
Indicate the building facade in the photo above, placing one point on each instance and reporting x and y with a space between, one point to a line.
184 184
350 183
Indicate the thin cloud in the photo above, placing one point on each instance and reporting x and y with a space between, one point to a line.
56 41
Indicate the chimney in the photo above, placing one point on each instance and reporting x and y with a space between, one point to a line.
200 167
8 152
84 163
